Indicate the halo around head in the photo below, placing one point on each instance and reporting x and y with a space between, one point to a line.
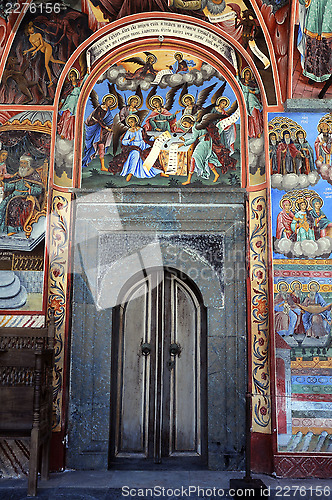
274 133
300 200
286 131
139 100
223 98
323 122
130 117
77 73
185 97
178 54
113 98
293 283
282 283
188 118
282 201
316 198
313 282
156 98
300 130
151 56
247 69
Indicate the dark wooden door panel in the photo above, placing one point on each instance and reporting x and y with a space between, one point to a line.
158 374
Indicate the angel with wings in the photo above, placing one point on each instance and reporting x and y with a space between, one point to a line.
161 119
134 103
247 21
99 128
218 110
132 106
209 153
145 69
192 107
136 146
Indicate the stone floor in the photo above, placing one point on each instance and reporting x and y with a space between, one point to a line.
113 485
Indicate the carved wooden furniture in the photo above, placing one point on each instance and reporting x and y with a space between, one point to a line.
26 369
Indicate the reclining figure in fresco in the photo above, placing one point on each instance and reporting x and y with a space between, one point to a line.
24 193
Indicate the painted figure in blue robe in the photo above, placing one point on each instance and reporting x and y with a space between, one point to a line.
181 65
24 194
252 101
99 131
301 223
134 163
136 147
316 320
321 222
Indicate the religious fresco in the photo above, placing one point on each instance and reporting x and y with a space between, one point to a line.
41 47
67 109
302 305
237 18
165 118
24 172
313 49
300 163
300 166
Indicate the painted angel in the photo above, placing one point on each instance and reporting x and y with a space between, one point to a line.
135 149
161 119
99 128
131 107
145 69
247 21
191 105
218 110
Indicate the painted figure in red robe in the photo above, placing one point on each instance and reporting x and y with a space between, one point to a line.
286 153
284 220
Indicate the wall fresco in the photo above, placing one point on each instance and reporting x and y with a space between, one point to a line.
313 49
24 166
300 163
238 19
165 118
41 47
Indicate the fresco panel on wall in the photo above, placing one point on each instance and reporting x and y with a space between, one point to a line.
300 162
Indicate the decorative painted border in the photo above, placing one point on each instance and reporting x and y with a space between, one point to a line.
26 320
259 317
57 290
300 466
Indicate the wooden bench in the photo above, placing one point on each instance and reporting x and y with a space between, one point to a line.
26 373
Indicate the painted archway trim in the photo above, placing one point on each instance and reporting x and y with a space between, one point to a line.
215 59
112 27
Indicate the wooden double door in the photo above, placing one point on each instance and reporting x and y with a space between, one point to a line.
159 386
